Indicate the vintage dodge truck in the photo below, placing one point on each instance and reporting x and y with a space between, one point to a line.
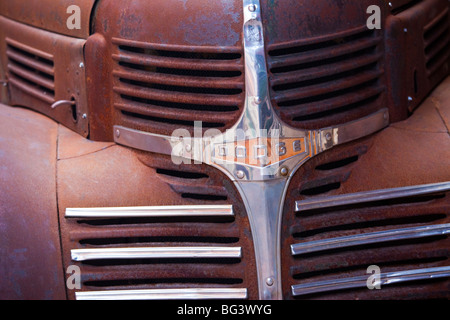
224 149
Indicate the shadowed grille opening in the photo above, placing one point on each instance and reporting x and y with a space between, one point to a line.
327 81
161 90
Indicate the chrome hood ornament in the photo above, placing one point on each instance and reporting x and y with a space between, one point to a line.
260 153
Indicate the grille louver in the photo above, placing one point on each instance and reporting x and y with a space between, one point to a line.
178 250
31 71
160 88
200 249
330 80
405 235
437 43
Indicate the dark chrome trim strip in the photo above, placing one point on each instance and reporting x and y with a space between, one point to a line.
361 282
369 238
370 196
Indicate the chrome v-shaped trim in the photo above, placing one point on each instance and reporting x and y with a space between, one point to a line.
260 153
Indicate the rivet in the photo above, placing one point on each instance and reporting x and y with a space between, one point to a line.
257 100
284 171
117 133
188 148
84 116
81 65
270 281
328 136
240 174
252 8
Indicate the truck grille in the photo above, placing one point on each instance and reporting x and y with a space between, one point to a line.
162 88
31 71
327 248
328 80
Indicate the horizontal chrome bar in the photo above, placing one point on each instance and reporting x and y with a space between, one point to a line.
361 282
156 253
164 294
151 212
369 238
370 196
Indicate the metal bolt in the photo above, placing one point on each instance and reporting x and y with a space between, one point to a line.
284 171
240 174
252 8
270 281
84 116
257 100
81 65
328 136
117 133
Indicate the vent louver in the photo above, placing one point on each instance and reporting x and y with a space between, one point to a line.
328 80
437 43
31 71
162 88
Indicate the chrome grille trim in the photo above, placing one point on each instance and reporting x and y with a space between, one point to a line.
165 294
152 212
369 238
156 253
361 282
370 196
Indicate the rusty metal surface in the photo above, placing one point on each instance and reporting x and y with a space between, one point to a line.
110 175
43 68
30 253
49 15
412 152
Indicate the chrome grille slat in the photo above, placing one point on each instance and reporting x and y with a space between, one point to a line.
157 253
154 211
165 294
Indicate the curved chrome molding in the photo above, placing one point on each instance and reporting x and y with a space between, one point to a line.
369 238
165 294
361 282
156 253
370 196
152 212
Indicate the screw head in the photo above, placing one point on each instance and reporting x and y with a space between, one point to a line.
240 174
328 136
252 8
270 281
